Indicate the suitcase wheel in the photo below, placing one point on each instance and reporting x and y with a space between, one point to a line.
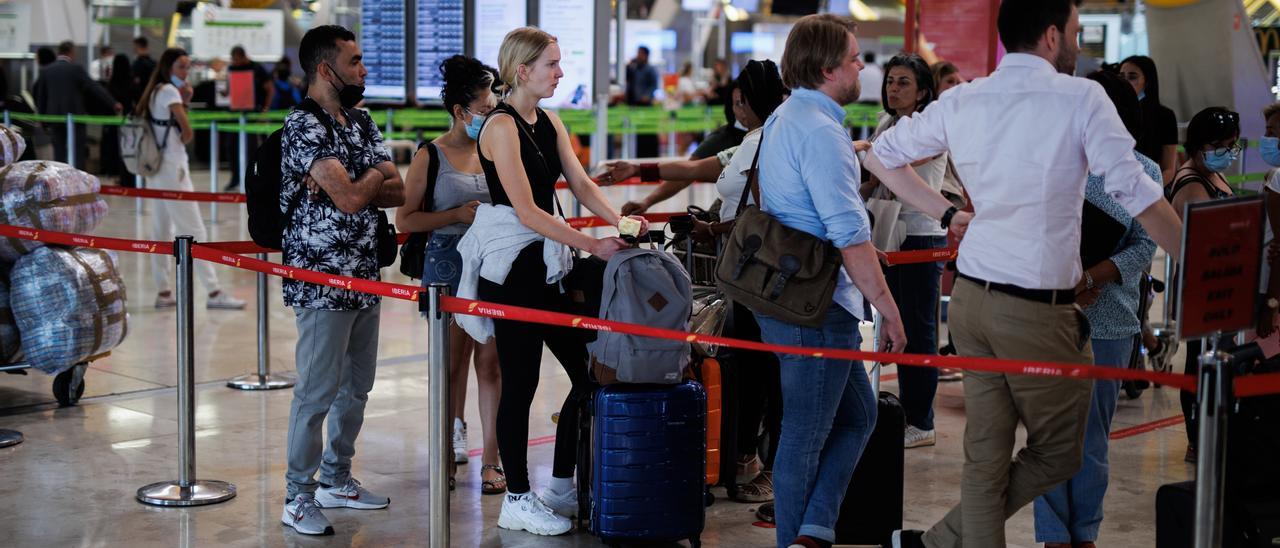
68 386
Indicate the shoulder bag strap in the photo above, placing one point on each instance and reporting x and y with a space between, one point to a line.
433 174
753 180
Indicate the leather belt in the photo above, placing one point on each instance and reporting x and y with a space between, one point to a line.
1046 296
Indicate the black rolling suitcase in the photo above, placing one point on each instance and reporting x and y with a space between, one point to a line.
872 508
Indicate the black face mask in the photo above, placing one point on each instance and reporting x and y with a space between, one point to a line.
350 95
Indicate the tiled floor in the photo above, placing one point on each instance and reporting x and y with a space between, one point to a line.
73 481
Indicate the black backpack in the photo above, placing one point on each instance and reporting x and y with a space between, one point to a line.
414 251
262 190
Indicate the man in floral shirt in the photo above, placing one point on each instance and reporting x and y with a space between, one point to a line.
336 174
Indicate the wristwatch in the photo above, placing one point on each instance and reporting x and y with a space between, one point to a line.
946 217
1273 303
1088 280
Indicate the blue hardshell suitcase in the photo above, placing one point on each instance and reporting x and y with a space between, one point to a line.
648 462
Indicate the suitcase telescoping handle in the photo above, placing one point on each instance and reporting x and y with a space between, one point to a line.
875 345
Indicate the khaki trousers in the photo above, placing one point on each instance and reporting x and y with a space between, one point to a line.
995 485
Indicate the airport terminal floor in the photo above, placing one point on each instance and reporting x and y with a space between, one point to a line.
73 480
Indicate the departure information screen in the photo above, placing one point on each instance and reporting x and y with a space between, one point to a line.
440 36
383 34
494 19
573 24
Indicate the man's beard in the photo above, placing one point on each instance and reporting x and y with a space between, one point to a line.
1066 60
855 92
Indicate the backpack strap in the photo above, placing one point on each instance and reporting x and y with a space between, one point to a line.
433 174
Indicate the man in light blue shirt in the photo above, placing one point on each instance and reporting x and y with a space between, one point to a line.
809 181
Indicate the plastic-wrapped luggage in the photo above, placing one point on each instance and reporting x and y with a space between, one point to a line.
12 145
47 196
69 305
9 338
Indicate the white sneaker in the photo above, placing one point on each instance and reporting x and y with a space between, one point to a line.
459 442
225 301
166 301
524 512
304 516
565 504
915 437
351 495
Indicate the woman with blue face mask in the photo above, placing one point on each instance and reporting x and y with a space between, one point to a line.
460 187
1211 147
1269 146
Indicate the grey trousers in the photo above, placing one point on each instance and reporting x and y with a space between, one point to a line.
336 357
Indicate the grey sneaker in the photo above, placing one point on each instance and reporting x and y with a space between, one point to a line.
351 495
459 442
304 516
525 512
915 437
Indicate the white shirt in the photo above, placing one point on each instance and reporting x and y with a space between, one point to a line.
1024 141
489 248
165 96
733 178
871 78
933 172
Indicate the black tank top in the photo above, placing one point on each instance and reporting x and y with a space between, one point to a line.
538 154
1187 177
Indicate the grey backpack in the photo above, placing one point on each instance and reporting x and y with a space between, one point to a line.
646 287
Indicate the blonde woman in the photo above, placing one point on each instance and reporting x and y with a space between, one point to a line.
524 150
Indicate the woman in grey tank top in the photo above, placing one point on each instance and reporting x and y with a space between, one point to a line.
447 213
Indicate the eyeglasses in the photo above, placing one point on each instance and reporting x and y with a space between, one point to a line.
1233 150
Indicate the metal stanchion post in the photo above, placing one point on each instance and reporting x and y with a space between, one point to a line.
187 490
10 438
71 141
671 135
7 121
213 167
438 434
1214 401
244 151
263 379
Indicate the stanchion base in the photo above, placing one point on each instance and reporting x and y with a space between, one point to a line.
199 493
10 438
254 381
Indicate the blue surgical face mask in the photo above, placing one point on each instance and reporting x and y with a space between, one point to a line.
1270 149
1142 95
177 82
1218 161
473 127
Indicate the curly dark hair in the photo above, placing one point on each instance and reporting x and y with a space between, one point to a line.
464 78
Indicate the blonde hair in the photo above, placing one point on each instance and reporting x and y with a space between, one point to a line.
520 47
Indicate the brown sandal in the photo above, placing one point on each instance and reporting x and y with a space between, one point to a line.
492 487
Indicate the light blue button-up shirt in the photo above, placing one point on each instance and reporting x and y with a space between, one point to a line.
809 178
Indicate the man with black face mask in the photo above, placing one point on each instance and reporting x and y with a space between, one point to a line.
336 174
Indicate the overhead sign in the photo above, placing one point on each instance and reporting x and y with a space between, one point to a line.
565 19
15 28
440 35
217 30
1220 266
383 40
494 19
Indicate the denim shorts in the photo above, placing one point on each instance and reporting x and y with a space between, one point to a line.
443 263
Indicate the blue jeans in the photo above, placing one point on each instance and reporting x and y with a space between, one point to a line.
1072 512
442 263
916 288
828 412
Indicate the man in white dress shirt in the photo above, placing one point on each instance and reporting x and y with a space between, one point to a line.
1024 139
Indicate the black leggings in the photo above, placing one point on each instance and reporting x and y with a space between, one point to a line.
760 397
520 357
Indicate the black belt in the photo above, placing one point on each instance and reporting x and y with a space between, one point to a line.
1046 296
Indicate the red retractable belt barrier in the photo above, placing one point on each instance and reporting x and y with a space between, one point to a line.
455 305
183 195
1253 385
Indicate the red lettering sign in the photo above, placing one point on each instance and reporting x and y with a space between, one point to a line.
1219 270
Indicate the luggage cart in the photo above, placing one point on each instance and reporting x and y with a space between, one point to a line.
68 386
